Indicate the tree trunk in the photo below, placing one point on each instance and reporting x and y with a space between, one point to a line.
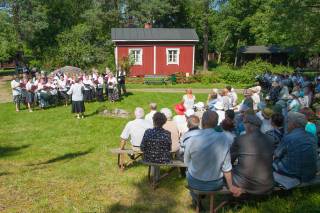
223 45
205 36
236 58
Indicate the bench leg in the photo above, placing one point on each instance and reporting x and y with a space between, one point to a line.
212 209
121 161
198 203
154 171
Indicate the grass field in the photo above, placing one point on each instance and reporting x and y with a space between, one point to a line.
191 85
52 162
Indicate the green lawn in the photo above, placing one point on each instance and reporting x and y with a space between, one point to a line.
52 162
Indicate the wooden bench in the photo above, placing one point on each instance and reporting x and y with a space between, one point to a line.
155 167
155 79
225 191
122 154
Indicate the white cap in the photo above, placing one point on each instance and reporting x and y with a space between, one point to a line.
189 112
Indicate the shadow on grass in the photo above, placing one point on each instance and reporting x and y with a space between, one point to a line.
149 200
4 173
65 157
11 150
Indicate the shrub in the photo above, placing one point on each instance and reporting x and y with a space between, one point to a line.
206 77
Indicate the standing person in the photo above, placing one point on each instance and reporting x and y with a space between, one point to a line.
153 110
248 101
76 92
16 92
226 100
212 100
100 88
122 82
113 93
219 110
232 95
88 95
29 94
62 87
106 78
253 151
188 99
180 119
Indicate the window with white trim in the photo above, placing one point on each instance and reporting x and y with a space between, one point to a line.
136 56
173 55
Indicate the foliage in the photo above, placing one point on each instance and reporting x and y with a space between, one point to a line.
8 38
126 63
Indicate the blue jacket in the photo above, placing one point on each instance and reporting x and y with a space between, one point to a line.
296 155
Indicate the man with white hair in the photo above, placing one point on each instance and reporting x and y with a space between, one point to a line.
135 130
153 110
295 159
171 126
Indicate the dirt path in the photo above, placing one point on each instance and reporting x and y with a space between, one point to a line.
176 90
5 93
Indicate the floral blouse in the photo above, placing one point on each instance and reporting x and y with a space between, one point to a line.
156 145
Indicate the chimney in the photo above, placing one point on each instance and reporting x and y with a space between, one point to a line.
147 25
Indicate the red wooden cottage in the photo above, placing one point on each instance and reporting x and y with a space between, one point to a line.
156 51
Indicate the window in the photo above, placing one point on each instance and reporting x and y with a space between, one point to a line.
173 56
136 56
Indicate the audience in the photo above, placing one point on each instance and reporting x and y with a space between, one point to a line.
208 146
253 152
193 124
227 126
135 130
277 131
153 110
296 156
171 126
311 118
156 142
266 121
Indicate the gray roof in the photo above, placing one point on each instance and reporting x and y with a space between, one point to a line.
263 50
153 34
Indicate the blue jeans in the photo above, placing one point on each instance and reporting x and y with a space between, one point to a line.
203 185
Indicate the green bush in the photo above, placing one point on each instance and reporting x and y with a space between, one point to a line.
206 77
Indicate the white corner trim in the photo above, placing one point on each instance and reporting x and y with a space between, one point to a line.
116 56
141 58
154 59
178 55
193 53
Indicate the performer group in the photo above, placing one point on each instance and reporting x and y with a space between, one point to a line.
59 88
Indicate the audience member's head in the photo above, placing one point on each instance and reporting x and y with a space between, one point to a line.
139 113
193 122
227 125
212 96
277 120
230 114
209 119
229 88
310 115
296 120
167 112
247 93
153 106
267 113
159 119
252 123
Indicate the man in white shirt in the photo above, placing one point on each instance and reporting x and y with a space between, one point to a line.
153 110
16 92
135 130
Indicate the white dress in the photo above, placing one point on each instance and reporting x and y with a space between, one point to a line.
188 102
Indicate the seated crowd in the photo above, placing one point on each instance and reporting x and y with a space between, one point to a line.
42 90
249 147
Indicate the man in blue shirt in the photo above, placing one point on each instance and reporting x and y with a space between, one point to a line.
208 159
296 156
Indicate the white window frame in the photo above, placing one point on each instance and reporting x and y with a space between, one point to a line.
141 58
178 55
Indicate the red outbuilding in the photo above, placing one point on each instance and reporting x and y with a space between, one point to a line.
156 51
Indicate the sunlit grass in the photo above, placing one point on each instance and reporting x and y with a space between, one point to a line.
52 162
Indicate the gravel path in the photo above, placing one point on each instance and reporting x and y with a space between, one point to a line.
176 90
